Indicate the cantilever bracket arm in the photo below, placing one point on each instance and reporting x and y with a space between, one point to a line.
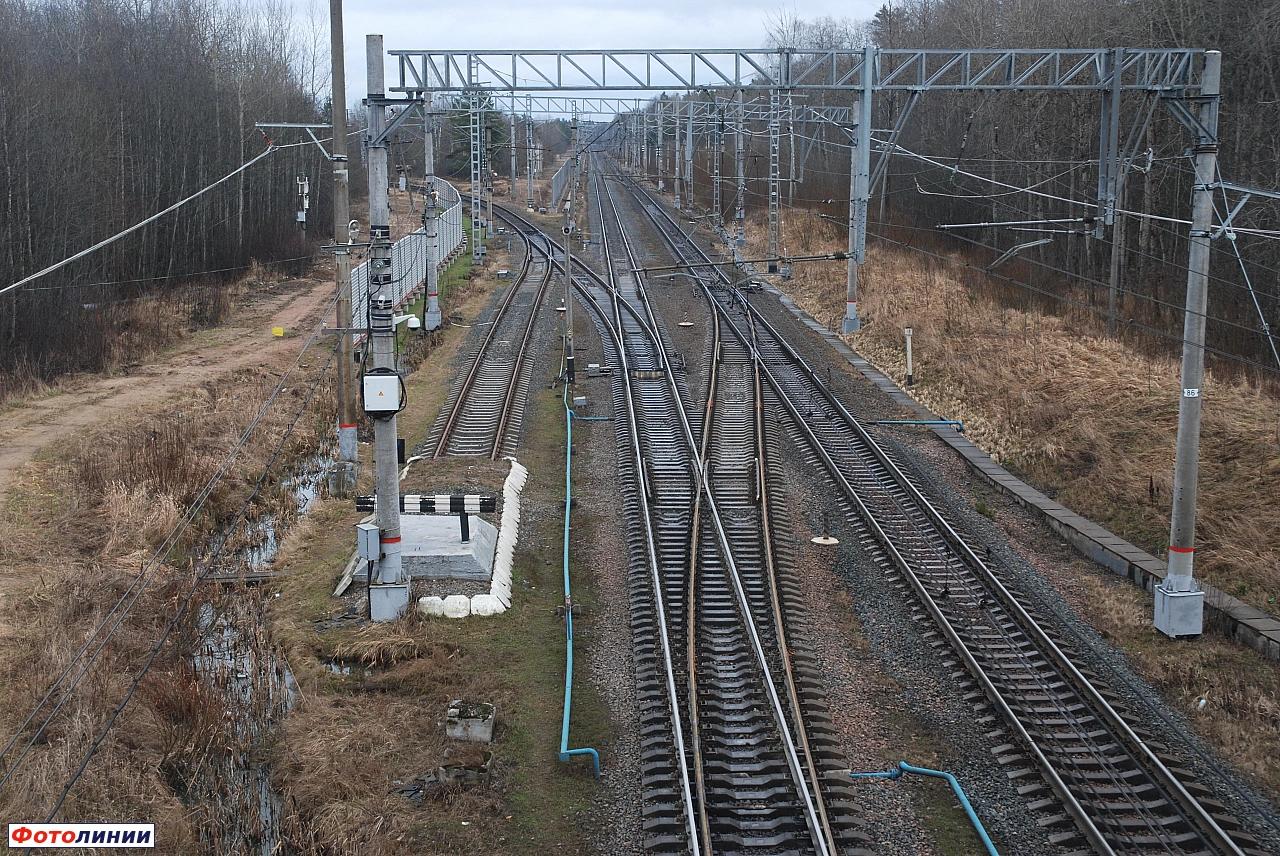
401 117
1178 108
882 163
308 127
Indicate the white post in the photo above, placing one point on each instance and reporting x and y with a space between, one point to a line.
910 374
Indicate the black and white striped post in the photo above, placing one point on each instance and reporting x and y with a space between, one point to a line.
461 504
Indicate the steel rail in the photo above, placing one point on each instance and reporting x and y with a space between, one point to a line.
473 371
691 636
789 742
614 327
1138 749
771 572
517 371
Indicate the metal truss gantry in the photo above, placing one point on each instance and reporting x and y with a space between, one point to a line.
1185 80
1061 69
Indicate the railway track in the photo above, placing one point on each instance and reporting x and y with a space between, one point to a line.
760 779
736 747
485 408
1100 782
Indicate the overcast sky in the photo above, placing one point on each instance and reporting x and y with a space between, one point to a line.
412 24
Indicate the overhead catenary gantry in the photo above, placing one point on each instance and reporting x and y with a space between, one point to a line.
1185 80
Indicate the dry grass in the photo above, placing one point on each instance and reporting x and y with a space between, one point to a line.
1085 417
1091 420
354 735
1241 694
94 513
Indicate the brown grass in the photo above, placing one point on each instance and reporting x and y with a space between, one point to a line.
354 735
1090 420
94 513
1085 417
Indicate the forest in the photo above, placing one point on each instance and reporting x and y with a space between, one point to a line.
1049 142
110 111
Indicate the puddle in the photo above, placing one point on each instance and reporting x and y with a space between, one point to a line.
236 658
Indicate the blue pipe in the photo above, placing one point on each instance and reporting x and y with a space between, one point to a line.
904 767
565 752
944 423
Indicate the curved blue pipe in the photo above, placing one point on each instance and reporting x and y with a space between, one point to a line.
565 752
904 767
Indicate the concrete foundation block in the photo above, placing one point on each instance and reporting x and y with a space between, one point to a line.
470 721
432 606
487 604
457 606
388 602
1179 614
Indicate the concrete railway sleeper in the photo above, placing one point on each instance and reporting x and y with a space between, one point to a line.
758 783
1112 791
485 409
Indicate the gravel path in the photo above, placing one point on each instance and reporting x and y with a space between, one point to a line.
616 808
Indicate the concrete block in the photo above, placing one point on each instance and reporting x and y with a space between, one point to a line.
432 606
387 602
470 721
1179 613
457 606
487 604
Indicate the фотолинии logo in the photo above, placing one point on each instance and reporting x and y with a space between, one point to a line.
24 835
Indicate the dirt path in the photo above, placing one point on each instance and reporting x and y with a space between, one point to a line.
246 340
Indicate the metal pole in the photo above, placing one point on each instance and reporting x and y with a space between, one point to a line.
528 145
488 181
511 137
791 150
662 163
775 145
431 223
740 159
675 127
644 146
389 597
688 155
1179 602
1110 166
859 190
717 152
568 253
477 218
348 448
1116 269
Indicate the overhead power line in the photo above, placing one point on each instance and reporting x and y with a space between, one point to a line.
271 148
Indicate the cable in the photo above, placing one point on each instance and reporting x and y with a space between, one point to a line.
271 148
187 275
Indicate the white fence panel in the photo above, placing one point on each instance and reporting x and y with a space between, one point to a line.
409 256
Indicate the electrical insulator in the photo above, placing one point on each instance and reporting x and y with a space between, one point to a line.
304 201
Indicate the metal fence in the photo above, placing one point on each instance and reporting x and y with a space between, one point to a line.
409 256
559 181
